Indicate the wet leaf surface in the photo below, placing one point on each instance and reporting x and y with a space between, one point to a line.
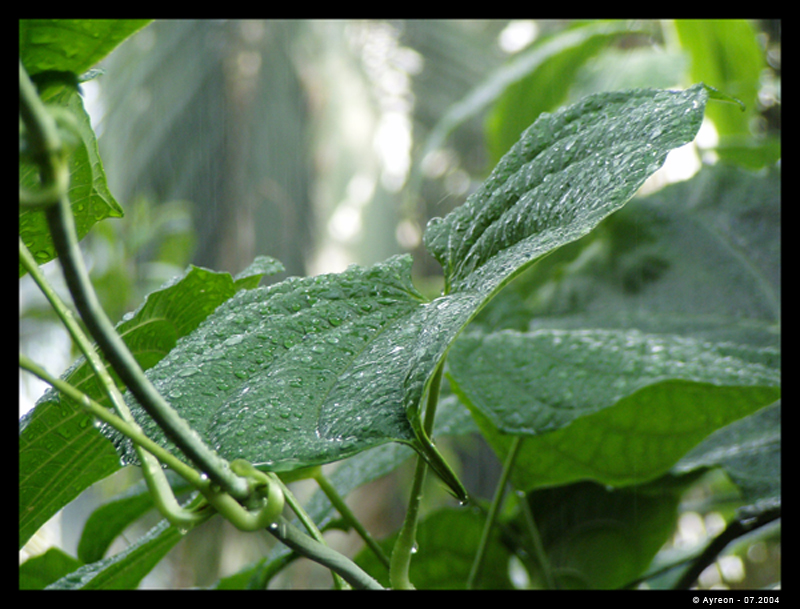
316 369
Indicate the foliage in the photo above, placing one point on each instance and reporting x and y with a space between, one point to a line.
611 350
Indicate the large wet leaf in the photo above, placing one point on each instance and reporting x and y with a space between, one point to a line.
621 407
302 372
317 369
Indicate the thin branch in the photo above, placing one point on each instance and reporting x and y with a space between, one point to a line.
301 543
494 510
405 546
339 504
733 531
106 416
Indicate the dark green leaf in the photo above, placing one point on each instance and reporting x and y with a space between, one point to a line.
544 380
749 451
599 538
317 369
700 258
638 439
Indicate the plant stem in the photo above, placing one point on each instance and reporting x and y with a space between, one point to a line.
61 225
322 554
151 468
494 510
734 530
106 416
305 520
338 503
406 544
538 546
46 148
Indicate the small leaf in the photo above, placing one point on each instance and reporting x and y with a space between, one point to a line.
726 54
539 79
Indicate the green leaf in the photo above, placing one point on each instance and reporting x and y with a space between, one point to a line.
622 406
61 453
313 370
90 199
71 45
569 171
749 451
600 538
124 570
38 572
725 54
110 519
638 439
546 379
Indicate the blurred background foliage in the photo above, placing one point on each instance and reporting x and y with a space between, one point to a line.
326 143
